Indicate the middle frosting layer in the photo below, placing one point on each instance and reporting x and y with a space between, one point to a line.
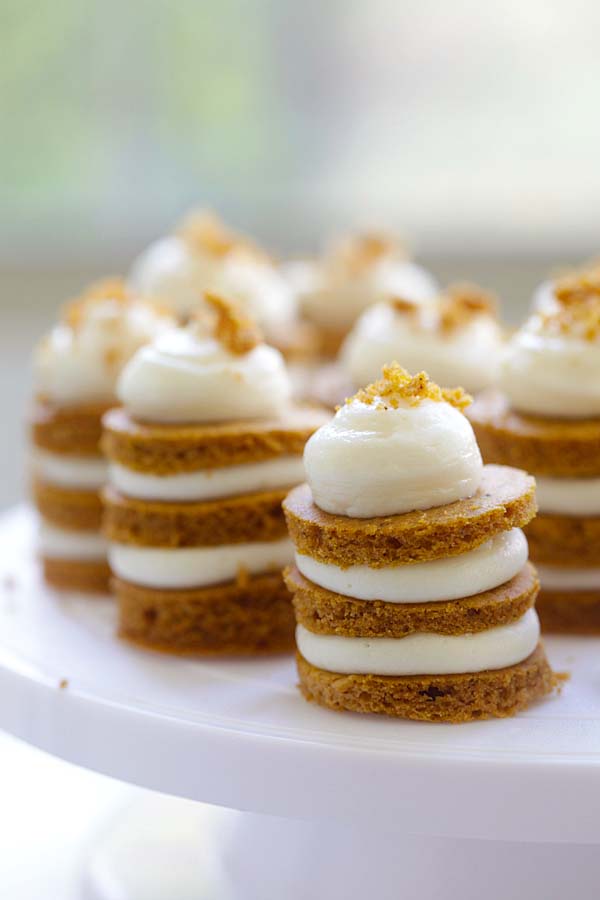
373 461
186 376
183 567
209 484
489 565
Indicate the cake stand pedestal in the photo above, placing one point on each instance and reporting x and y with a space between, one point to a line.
335 805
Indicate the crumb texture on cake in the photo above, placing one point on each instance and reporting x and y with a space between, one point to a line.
554 447
67 508
90 576
569 612
325 612
558 540
505 499
72 430
228 520
397 387
176 449
433 698
251 616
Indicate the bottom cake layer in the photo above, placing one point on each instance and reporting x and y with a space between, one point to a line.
251 616
433 698
569 611
89 576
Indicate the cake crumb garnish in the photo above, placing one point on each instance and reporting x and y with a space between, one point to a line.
357 253
577 315
204 233
399 387
577 286
234 330
404 306
462 302
74 312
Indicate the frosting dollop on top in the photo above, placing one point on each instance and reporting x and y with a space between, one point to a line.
457 339
204 255
551 366
548 295
399 445
357 272
82 357
209 371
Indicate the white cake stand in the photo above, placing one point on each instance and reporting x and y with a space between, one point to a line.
396 808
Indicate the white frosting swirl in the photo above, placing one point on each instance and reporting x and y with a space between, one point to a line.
368 461
551 374
178 276
174 273
468 355
341 296
186 376
81 363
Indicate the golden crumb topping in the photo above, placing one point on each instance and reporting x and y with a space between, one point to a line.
398 387
462 302
359 252
237 332
403 306
577 286
74 312
577 317
204 233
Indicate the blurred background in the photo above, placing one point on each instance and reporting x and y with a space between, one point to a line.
471 129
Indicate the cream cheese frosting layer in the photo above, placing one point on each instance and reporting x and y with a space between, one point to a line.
209 484
81 363
340 296
422 654
187 567
69 471
187 376
549 374
558 578
59 543
489 565
568 496
468 355
369 461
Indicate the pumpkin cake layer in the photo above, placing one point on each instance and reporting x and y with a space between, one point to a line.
569 612
253 615
324 612
209 523
174 449
72 430
433 698
504 500
90 576
68 508
557 447
564 540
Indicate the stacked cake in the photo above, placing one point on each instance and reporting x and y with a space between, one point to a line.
412 590
75 372
202 453
546 419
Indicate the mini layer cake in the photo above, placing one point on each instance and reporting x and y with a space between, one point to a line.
75 372
203 255
456 338
546 419
412 590
355 272
201 456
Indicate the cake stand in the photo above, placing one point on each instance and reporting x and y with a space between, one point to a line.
334 805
